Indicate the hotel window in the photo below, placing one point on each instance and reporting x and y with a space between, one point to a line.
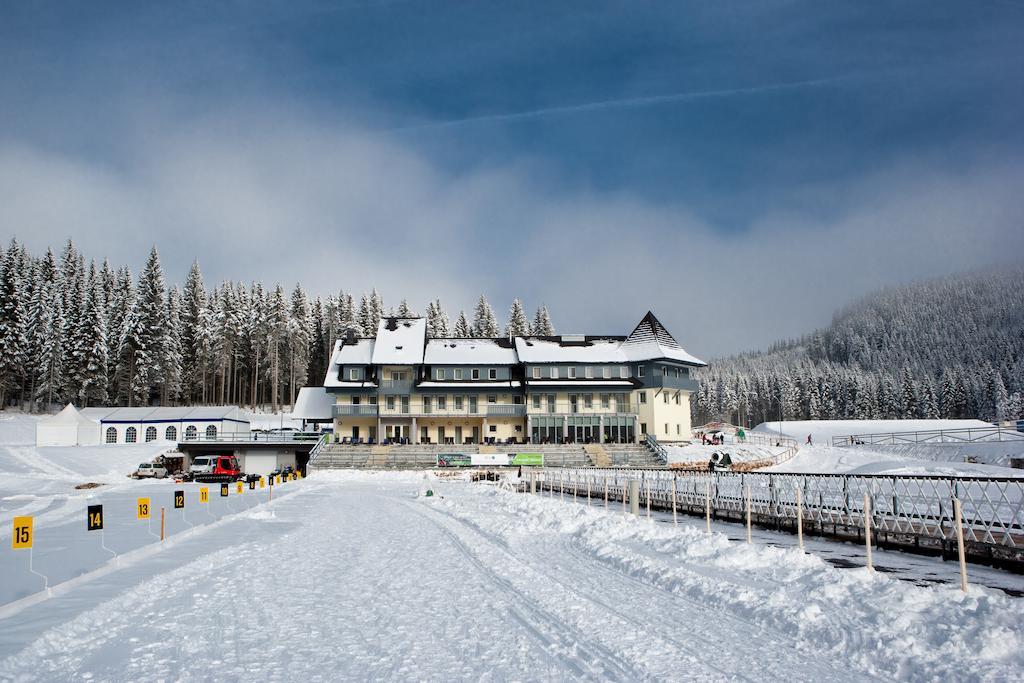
518 400
666 427
536 373
458 373
588 400
643 398
492 428
676 396
679 429
405 404
605 400
458 403
492 373
588 372
439 373
664 372
492 398
606 372
554 372
643 427
390 402
639 371
677 372
536 401
623 372
666 397
442 402
355 400
353 374
572 372
476 373
426 404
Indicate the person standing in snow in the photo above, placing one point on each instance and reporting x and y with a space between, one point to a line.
809 440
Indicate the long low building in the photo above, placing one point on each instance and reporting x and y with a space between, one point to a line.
399 385
166 423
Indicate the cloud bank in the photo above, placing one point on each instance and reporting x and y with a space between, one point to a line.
284 196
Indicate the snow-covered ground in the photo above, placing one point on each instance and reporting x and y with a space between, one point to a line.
864 460
355 576
822 431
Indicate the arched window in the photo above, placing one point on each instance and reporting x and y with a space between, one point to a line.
211 432
190 433
111 435
150 434
131 435
171 433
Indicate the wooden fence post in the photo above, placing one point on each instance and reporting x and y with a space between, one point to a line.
707 505
867 529
648 483
800 518
675 515
749 538
588 491
606 492
958 510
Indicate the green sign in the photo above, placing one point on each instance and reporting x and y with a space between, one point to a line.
536 459
454 460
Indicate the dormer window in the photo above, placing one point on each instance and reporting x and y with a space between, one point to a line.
476 373
554 372
606 372
492 373
458 373
353 374
572 372
439 373
536 373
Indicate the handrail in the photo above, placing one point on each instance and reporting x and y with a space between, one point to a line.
656 448
931 436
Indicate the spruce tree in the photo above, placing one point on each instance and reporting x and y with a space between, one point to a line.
518 324
485 325
91 352
542 326
462 329
13 341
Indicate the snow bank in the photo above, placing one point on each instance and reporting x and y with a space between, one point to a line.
737 452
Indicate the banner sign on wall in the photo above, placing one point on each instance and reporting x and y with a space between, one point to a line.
454 460
532 459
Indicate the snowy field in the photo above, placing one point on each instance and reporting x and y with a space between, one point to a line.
866 460
822 431
739 452
357 576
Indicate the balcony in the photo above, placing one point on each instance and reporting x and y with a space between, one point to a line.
504 410
395 386
361 410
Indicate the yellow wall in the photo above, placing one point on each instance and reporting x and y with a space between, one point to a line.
656 414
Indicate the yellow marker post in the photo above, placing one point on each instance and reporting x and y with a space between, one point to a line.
204 494
299 474
279 480
238 487
22 537
142 508
263 482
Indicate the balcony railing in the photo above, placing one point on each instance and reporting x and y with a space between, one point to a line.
395 386
361 410
581 408
504 410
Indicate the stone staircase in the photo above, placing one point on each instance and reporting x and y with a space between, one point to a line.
632 455
598 455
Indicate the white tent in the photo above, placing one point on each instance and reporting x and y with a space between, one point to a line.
67 428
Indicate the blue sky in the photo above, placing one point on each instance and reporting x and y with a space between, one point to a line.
743 168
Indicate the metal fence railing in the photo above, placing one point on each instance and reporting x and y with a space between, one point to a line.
967 435
256 437
916 509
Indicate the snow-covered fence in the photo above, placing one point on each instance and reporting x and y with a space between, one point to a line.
934 436
914 511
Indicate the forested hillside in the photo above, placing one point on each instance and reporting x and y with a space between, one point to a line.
951 347
92 335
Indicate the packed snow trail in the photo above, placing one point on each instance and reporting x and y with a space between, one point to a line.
353 576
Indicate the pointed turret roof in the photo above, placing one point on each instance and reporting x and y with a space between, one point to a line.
649 340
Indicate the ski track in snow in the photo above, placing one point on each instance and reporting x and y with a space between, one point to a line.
354 578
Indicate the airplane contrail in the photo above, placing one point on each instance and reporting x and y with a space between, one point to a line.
625 103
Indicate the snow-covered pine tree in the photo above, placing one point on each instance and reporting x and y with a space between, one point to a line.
173 372
318 341
462 329
256 334
928 405
376 311
298 343
542 326
119 319
404 311
91 352
443 324
277 329
192 307
518 324
485 325
365 318
13 341
908 395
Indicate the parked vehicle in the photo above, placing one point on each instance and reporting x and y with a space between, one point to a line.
214 468
148 470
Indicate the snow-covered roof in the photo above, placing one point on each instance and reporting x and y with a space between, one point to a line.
69 415
579 382
469 352
313 403
162 413
650 341
400 341
557 350
358 352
